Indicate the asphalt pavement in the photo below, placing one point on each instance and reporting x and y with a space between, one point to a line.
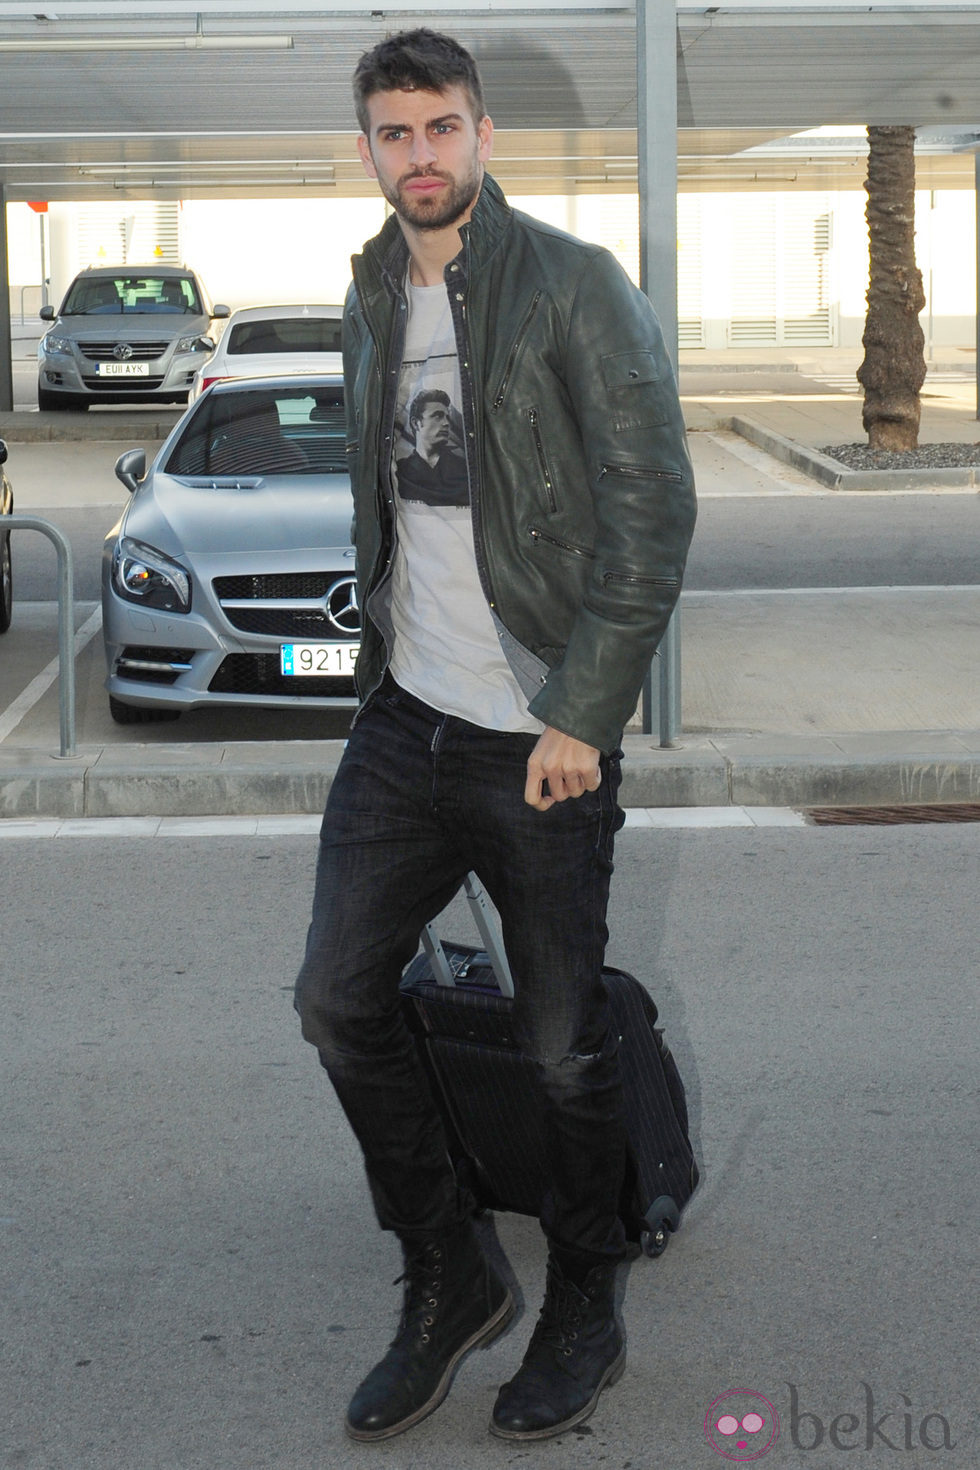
190 1273
790 697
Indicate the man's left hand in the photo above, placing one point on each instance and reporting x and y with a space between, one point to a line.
569 767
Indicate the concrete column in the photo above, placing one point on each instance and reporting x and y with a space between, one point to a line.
656 118
656 136
6 360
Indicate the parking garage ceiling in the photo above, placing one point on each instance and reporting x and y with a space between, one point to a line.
209 98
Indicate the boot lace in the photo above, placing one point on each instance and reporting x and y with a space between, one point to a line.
561 1315
422 1278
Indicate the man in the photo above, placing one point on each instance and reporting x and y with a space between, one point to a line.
504 647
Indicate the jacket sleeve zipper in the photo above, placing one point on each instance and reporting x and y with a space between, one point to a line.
633 579
627 577
640 472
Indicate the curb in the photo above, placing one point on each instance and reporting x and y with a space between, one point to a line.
265 780
836 476
689 365
57 428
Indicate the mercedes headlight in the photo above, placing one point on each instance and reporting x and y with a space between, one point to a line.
143 575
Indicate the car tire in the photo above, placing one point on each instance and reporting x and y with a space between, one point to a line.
139 714
6 585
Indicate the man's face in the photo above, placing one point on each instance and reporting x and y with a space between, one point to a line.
432 428
427 154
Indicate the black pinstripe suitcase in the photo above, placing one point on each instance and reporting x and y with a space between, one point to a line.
457 1001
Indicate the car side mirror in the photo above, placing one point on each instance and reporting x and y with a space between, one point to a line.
131 468
3 451
46 313
221 311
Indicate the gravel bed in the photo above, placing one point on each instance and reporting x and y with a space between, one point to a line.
926 457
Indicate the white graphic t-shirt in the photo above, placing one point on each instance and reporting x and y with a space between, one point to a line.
446 649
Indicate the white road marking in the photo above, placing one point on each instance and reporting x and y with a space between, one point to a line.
309 826
41 683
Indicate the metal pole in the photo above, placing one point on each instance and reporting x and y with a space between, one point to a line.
43 222
976 210
66 622
656 141
6 353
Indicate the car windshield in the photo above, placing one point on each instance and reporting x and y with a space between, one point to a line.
262 431
128 294
285 334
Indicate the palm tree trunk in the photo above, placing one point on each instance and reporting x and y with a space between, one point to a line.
894 367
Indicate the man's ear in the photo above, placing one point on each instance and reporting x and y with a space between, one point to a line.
484 132
364 149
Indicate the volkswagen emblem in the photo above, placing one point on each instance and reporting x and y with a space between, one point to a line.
122 351
342 608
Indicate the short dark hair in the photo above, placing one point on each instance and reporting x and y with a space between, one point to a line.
416 61
421 402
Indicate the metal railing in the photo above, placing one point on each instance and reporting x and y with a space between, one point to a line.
31 286
66 621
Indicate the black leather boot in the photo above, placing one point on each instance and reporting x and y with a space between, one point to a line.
454 1301
576 1349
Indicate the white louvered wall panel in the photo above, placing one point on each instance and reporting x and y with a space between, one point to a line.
690 321
804 267
780 265
753 319
134 233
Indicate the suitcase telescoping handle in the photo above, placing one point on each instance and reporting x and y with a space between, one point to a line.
485 918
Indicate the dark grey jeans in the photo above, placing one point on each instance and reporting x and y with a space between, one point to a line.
421 798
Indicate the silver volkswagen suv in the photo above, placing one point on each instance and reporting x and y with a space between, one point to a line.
125 335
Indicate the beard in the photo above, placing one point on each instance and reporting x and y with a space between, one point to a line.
435 213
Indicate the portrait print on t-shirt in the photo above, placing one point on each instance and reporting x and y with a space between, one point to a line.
429 461
430 465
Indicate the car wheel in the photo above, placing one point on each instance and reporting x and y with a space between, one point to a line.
139 714
6 585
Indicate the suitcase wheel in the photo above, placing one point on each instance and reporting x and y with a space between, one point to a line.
662 1218
653 1242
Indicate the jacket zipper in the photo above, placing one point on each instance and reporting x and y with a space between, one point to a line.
512 355
626 577
532 417
637 581
384 490
469 410
641 472
539 535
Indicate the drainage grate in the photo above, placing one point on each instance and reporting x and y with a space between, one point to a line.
892 816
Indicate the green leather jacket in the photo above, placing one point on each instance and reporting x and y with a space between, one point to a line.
581 486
